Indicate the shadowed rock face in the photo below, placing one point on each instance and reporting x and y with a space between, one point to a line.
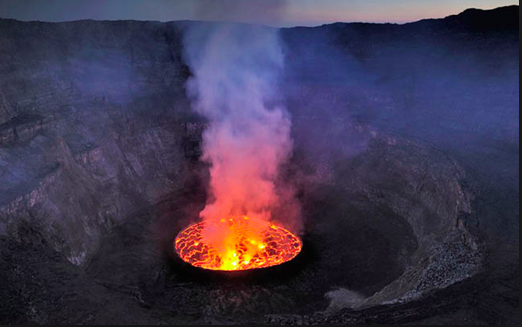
406 164
93 121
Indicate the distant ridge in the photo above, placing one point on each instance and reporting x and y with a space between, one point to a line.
477 19
502 17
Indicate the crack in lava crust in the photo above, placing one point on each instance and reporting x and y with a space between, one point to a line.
243 244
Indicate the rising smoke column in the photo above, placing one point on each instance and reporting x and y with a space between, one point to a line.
234 86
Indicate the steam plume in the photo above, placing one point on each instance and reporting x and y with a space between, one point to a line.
235 73
260 11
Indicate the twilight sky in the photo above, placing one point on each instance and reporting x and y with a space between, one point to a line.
270 12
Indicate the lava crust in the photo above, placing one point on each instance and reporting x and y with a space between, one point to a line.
242 243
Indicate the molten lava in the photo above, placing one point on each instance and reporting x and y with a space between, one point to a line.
236 243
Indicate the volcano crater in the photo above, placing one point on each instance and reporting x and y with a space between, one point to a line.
382 228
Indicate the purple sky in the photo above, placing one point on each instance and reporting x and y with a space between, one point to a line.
271 12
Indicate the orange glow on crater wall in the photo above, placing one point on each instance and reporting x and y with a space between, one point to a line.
236 243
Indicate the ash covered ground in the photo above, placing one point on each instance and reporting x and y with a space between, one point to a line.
406 163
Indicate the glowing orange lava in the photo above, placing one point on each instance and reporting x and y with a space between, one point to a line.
236 243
